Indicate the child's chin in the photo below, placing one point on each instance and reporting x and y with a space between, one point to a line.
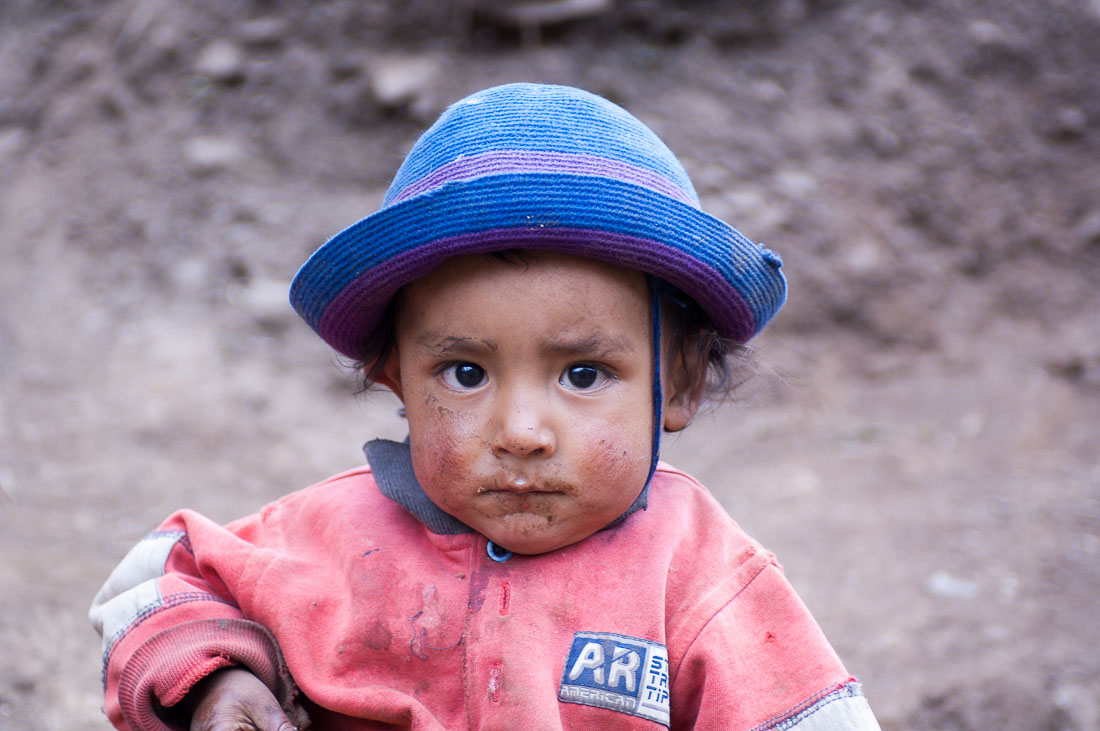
529 545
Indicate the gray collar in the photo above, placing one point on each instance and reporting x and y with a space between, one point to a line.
391 463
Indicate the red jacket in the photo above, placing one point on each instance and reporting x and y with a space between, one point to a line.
673 618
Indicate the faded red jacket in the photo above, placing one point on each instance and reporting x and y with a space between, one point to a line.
352 609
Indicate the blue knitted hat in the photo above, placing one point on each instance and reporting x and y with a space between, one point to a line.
537 167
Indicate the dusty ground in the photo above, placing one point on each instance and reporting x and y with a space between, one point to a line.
920 448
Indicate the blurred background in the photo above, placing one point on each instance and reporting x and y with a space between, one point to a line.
919 448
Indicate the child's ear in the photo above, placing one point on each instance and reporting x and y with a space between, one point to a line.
683 392
390 376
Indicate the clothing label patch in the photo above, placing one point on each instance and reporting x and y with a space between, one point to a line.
624 674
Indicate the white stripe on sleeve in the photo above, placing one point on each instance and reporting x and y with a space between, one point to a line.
843 710
131 589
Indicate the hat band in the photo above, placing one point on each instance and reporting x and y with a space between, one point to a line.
498 162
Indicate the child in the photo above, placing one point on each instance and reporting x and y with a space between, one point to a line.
542 292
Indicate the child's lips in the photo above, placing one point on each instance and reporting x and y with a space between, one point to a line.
511 490
521 486
518 490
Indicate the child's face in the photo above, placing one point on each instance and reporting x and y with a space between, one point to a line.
528 390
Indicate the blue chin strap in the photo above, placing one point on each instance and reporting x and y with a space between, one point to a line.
655 295
658 290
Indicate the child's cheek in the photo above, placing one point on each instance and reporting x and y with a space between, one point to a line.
615 452
441 439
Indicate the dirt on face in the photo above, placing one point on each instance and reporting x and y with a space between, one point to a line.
919 446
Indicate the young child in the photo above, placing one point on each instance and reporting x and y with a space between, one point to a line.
543 293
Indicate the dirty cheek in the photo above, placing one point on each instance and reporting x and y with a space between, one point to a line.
613 455
441 439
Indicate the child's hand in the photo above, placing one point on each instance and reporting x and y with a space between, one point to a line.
234 699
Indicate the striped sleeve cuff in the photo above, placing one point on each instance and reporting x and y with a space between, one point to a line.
162 671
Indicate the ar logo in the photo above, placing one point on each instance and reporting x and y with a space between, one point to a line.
619 673
622 668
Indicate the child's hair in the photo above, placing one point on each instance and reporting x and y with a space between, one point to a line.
723 364
529 167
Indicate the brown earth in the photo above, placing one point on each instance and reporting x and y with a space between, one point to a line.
920 448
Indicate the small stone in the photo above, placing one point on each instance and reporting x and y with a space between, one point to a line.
1009 588
972 425
399 80
263 31
221 61
795 184
863 256
754 211
744 200
944 584
1080 704
8 490
190 273
1088 230
12 141
264 299
768 91
879 25
789 12
165 39
881 139
1070 122
803 482
999 51
710 178
987 33
210 153
538 14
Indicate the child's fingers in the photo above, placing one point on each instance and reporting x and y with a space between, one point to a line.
233 722
236 700
272 718
242 718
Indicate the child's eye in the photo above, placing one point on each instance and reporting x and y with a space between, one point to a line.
463 375
583 377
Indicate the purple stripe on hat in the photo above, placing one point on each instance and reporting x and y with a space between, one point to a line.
354 313
495 162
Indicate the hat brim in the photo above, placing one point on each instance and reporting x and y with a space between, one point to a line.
343 290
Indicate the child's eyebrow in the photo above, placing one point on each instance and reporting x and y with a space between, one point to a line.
450 344
590 345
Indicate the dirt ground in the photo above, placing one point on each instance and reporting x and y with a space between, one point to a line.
920 447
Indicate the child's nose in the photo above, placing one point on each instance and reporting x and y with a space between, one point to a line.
523 432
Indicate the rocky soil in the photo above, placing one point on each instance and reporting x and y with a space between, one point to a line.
920 446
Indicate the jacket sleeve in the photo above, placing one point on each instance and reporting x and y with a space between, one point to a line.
762 662
168 618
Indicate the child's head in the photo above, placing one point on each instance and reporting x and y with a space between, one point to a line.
528 387
510 293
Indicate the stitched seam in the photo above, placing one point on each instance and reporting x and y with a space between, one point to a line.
791 723
719 610
816 702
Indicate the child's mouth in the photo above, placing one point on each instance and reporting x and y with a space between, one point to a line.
521 490
507 499
512 490
520 485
